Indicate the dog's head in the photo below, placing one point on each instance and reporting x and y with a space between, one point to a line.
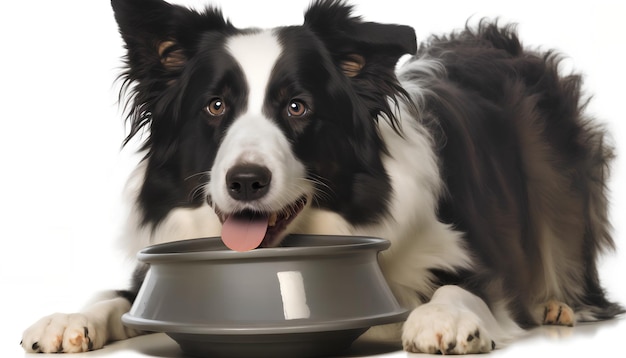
260 123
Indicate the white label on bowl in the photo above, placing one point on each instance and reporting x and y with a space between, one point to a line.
293 295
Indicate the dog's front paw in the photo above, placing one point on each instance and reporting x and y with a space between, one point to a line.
62 333
445 329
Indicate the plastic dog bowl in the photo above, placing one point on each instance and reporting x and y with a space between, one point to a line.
312 297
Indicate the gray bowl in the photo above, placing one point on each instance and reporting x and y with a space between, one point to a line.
312 297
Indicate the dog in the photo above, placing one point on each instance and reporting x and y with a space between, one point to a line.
474 157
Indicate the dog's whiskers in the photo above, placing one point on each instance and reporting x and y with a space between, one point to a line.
323 191
196 191
200 174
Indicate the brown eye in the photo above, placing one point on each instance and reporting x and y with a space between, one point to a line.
216 107
297 108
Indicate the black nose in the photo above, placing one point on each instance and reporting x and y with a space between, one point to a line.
246 182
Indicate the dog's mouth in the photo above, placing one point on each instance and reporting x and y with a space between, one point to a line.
246 230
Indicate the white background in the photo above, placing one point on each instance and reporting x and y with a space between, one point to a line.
63 168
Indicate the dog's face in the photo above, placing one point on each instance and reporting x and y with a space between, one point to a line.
261 123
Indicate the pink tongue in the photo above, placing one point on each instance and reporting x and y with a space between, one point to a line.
244 233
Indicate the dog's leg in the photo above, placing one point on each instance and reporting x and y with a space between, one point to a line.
455 321
91 329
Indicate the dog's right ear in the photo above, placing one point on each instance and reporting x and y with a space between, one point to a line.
161 37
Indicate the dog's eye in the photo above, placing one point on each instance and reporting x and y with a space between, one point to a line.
297 108
216 107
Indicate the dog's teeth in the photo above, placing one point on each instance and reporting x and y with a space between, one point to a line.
272 220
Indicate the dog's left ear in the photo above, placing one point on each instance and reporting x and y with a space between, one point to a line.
355 45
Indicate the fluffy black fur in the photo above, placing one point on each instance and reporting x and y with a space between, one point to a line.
495 99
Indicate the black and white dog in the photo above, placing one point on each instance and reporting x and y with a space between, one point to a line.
474 158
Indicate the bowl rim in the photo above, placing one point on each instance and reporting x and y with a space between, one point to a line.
294 327
325 245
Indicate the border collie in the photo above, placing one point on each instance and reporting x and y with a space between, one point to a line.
474 158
